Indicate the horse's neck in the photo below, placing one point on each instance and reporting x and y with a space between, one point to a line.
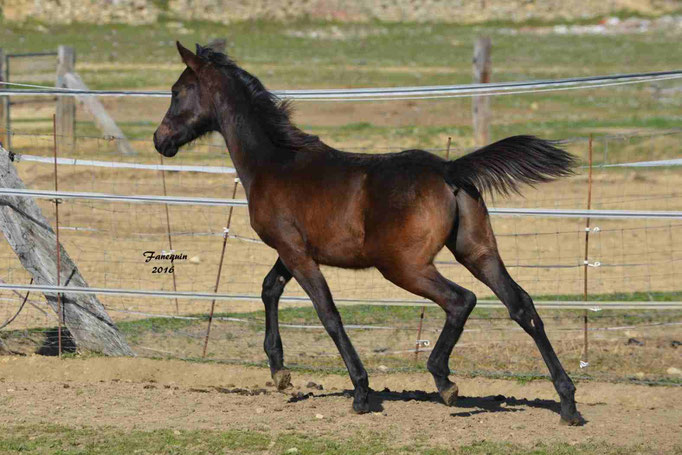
249 150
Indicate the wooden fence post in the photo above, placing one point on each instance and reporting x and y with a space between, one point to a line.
481 104
103 120
32 238
66 105
4 102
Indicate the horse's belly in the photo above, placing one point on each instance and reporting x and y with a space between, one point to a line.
339 246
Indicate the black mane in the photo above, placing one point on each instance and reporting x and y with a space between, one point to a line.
275 114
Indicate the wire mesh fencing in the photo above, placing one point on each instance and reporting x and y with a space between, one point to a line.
115 245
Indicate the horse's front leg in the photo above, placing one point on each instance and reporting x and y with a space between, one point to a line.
273 286
308 274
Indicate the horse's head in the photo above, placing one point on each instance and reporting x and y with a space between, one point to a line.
191 113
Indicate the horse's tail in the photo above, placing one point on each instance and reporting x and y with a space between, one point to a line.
500 167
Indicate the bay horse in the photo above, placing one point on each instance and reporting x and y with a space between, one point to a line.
395 211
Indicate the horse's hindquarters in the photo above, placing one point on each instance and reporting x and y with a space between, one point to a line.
409 224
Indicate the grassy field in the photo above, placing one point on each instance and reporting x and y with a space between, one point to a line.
52 439
314 54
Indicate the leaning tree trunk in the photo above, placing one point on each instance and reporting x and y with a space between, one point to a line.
33 240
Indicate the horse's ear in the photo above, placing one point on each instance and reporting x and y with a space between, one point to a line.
190 59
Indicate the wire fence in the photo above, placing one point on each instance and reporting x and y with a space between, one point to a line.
114 209
387 93
130 205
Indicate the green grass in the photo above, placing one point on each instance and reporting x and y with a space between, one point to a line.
383 54
54 439
388 315
154 325
671 296
372 45
392 315
66 440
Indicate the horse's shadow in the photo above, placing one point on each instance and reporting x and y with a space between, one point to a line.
474 405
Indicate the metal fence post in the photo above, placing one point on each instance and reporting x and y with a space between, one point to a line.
584 362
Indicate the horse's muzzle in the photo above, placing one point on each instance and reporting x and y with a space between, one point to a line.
165 147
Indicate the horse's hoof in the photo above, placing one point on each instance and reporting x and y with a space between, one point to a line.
572 421
361 407
449 395
282 379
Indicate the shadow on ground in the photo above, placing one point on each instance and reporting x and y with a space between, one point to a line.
474 405
50 344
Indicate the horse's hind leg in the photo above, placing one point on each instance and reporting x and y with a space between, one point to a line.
456 301
273 286
475 247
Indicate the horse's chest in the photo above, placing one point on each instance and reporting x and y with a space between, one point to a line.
331 236
328 222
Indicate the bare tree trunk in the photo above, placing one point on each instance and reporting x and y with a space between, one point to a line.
34 241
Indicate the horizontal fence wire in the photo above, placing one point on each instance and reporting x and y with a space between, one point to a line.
222 148
355 326
18 157
179 200
255 321
566 305
32 54
604 138
596 314
389 93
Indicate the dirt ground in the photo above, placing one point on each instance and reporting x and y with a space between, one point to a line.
148 394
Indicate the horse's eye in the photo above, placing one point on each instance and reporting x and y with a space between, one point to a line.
174 93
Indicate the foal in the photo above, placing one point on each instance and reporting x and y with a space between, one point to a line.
317 205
